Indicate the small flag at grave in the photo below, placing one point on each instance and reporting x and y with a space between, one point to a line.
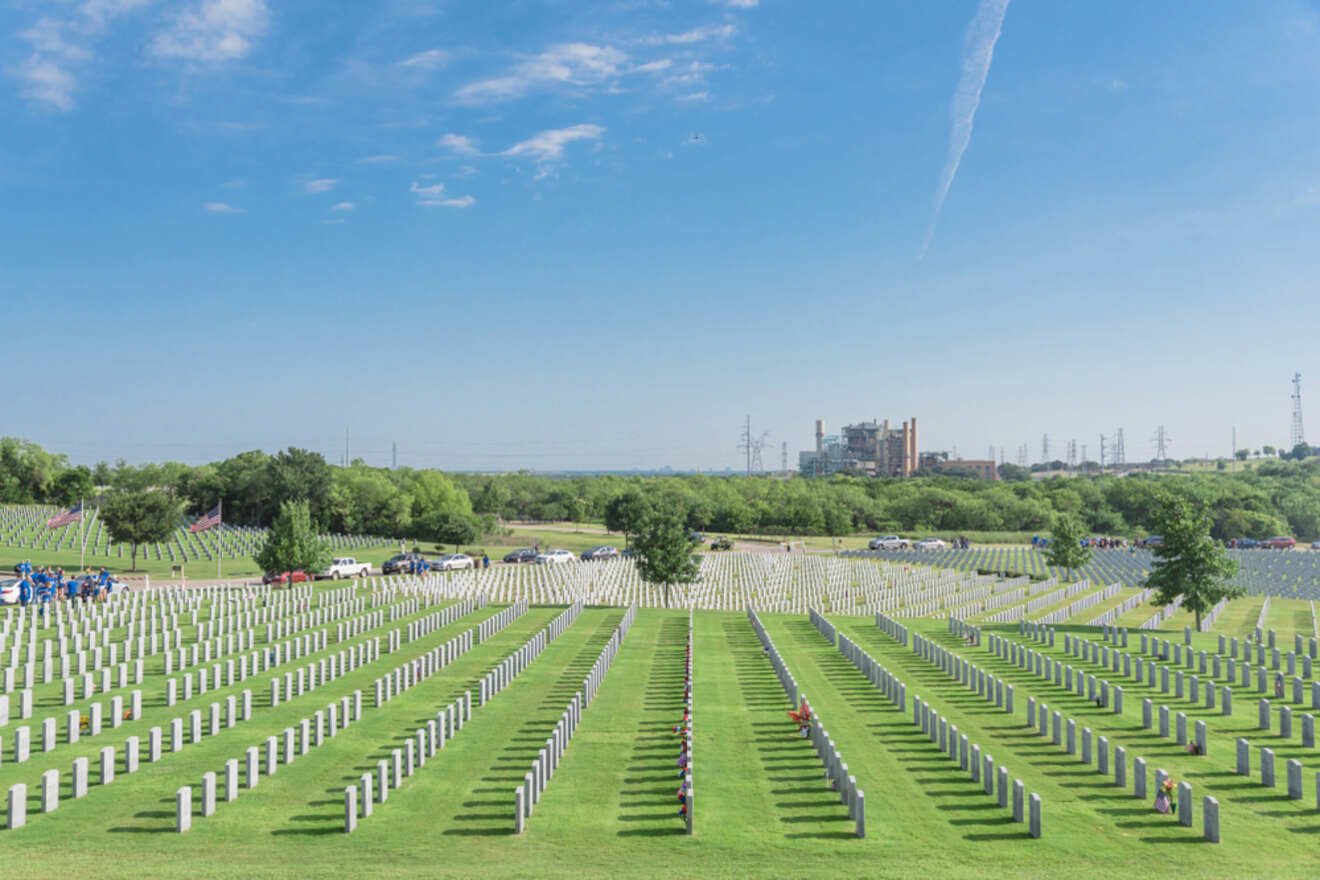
73 514
210 521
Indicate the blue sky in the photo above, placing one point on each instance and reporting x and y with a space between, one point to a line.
573 235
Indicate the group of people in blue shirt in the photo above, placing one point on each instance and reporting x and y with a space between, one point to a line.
47 584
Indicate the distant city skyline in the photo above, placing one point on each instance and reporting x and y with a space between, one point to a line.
600 235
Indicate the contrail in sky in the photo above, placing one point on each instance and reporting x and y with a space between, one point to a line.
978 52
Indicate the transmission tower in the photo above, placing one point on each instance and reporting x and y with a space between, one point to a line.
1298 435
1162 443
1119 455
783 456
745 443
1022 455
1072 453
991 456
1083 458
1044 447
758 445
1102 452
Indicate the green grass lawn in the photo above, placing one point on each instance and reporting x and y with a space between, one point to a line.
762 806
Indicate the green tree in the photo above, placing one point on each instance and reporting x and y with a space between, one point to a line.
1013 473
1268 450
1189 563
1065 549
73 485
1241 454
454 527
139 516
292 543
626 513
664 551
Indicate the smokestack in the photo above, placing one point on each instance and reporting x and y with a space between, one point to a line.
820 436
912 446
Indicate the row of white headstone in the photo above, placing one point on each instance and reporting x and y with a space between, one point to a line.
1064 730
547 760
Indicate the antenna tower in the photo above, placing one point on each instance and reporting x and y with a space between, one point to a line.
1044 447
1022 455
783 456
1072 453
1120 453
1298 435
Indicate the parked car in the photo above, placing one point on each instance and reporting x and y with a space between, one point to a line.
521 556
554 557
696 537
1151 541
9 591
1315 545
888 542
345 567
604 551
931 544
721 544
1244 544
452 562
1279 542
285 578
399 564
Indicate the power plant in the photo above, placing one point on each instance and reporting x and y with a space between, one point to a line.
872 448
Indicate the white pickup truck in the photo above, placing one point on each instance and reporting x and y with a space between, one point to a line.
346 567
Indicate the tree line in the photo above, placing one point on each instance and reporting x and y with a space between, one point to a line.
1273 497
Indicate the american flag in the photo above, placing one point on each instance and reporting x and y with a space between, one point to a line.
210 521
73 514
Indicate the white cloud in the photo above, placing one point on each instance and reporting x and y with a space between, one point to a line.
433 196
99 11
48 82
695 96
696 35
213 31
465 171
59 45
221 208
565 64
343 206
460 202
742 4
320 185
548 146
381 159
431 59
654 66
47 36
459 144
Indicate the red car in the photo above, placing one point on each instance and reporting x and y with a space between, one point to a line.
287 577
1279 542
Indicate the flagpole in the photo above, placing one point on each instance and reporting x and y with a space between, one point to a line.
220 547
82 535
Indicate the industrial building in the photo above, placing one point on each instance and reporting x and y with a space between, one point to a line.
871 448
937 462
